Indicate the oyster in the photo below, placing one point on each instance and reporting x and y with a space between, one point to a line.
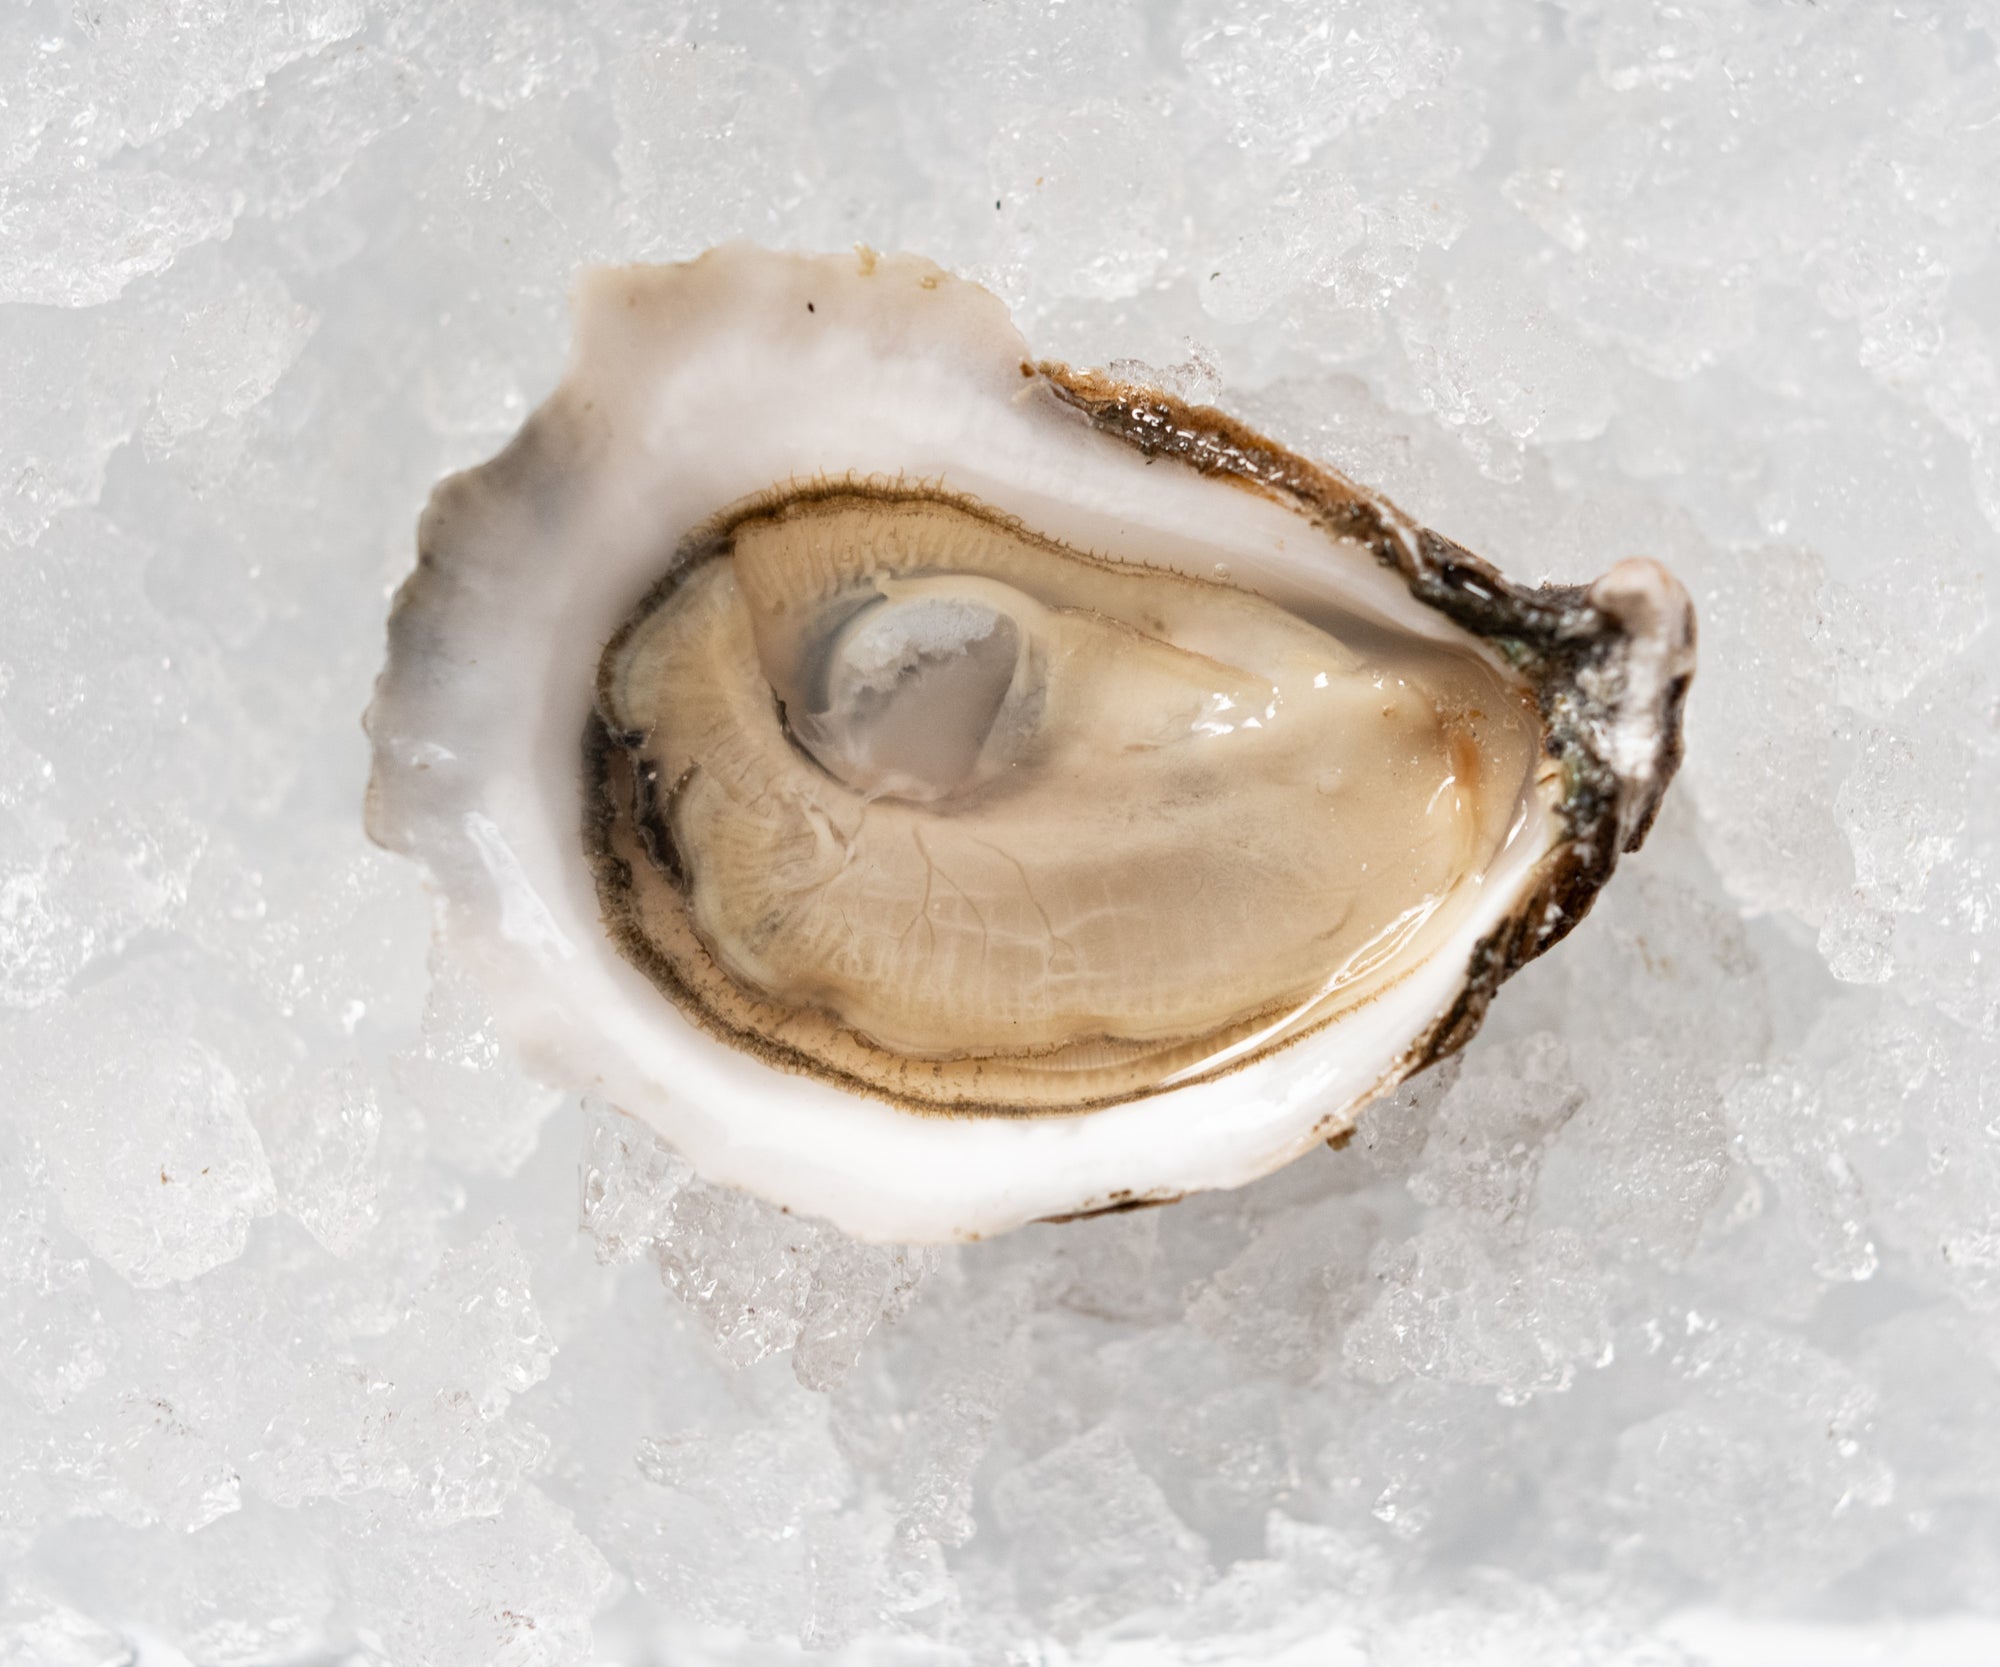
939 790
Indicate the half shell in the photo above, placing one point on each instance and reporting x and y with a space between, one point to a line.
940 790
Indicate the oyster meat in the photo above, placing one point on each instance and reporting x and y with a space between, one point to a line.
939 789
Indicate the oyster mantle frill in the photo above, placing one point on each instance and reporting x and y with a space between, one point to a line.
939 789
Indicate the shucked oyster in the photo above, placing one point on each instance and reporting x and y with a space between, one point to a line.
938 789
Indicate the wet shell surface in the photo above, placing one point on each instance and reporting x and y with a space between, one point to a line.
938 789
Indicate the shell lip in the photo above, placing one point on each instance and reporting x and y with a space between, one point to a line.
1609 664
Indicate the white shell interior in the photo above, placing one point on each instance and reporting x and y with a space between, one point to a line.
693 387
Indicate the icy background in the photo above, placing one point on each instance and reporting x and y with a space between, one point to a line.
1674 1311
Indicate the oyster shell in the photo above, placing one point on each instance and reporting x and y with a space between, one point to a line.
940 790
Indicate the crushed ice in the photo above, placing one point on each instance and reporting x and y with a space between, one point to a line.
325 1332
